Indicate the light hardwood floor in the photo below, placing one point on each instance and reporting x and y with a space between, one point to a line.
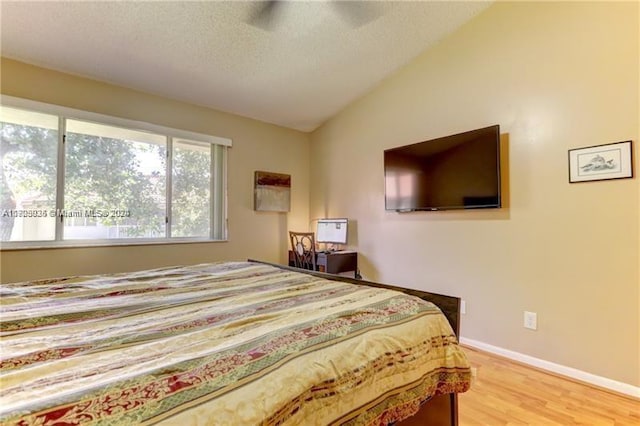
508 393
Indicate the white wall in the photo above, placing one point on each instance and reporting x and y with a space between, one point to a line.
256 146
555 76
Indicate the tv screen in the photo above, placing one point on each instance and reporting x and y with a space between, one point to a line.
460 171
332 231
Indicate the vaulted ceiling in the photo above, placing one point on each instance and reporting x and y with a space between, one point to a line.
297 68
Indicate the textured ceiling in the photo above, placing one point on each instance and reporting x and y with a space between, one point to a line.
311 64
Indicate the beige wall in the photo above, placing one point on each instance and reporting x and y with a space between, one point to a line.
256 146
555 76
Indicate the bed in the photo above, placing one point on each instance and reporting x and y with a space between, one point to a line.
229 343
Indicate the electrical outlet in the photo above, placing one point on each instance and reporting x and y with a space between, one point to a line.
530 320
463 307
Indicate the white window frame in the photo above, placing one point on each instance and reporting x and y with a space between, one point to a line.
218 192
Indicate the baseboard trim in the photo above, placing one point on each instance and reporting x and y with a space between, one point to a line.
562 370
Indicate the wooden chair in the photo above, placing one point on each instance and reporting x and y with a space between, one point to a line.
303 245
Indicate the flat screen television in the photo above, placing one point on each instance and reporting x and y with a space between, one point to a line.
332 231
460 171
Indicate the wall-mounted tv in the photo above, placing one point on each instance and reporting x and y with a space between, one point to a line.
460 171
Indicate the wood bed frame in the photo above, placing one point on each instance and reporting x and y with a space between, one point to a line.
440 410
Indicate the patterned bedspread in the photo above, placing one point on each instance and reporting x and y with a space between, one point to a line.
219 344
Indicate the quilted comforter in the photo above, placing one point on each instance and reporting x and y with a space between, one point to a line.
232 343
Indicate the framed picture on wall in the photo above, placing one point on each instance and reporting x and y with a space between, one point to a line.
601 162
272 192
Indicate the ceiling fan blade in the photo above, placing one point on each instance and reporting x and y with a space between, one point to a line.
265 14
357 13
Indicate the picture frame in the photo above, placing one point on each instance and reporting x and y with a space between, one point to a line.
272 192
601 162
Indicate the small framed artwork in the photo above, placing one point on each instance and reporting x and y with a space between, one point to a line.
601 162
272 192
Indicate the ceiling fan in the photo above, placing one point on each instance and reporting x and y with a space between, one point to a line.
356 13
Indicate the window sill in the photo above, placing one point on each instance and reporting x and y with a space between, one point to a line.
45 245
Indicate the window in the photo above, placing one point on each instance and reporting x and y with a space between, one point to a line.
72 176
191 189
28 156
116 176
